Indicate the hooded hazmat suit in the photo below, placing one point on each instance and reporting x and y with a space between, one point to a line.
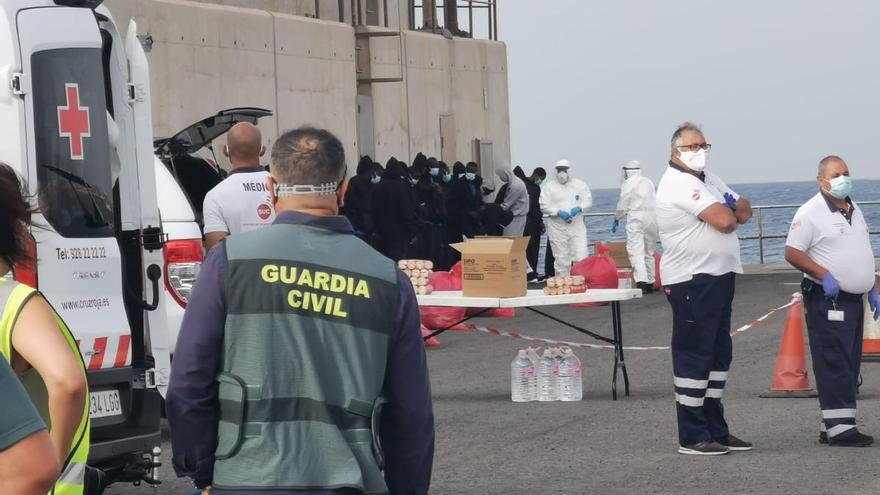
516 200
567 233
637 205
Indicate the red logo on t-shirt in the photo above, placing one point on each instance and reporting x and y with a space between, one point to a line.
264 211
696 196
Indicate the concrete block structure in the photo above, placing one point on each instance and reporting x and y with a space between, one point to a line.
343 65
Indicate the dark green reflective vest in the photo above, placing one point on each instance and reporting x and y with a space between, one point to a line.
308 317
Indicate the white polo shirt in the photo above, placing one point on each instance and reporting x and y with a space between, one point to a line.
843 248
240 203
690 245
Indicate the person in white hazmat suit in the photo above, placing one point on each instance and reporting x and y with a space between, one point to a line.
565 200
637 205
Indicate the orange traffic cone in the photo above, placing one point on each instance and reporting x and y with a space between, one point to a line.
790 377
871 340
432 342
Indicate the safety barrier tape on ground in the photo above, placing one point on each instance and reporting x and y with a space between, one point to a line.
516 335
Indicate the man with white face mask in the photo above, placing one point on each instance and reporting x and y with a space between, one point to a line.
697 216
828 241
565 200
637 205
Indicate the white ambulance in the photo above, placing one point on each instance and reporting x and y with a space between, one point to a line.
66 76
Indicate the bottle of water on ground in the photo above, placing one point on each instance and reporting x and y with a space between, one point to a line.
535 358
523 382
571 385
548 383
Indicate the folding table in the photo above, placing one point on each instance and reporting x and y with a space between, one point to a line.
536 298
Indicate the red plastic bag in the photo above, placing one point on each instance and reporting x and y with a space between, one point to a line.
657 283
599 272
437 317
432 342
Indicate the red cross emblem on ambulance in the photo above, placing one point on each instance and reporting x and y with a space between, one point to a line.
73 121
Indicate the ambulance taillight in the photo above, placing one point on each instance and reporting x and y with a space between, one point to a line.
183 259
26 271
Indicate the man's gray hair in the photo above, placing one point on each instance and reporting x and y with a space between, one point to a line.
687 126
828 159
308 156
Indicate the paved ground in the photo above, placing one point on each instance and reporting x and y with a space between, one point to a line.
488 445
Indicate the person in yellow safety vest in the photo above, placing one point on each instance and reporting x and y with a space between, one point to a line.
38 345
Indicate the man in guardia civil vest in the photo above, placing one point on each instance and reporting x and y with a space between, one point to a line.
300 366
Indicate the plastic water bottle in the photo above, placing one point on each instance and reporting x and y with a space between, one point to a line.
523 382
533 356
571 385
548 383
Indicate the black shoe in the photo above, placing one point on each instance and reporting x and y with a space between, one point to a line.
823 437
703 448
531 277
733 443
643 287
649 288
856 439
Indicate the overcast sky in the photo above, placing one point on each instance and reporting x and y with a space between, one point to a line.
776 84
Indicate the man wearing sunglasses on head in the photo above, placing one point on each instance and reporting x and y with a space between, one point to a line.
697 217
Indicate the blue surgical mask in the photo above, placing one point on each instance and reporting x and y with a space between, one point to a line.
434 171
460 176
413 181
376 179
539 181
447 177
470 176
841 187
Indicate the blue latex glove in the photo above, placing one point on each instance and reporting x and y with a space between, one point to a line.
564 215
576 211
831 286
729 201
615 225
874 302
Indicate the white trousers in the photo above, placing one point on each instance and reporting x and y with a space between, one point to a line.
569 243
641 239
516 227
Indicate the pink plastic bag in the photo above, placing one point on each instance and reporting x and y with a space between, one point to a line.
599 272
437 317
432 342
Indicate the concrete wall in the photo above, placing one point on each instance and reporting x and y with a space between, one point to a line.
207 57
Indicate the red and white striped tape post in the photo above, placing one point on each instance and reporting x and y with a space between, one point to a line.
607 347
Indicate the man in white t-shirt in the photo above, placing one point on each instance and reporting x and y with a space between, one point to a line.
828 241
697 217
241 202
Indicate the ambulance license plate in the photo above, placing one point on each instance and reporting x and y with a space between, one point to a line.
105 403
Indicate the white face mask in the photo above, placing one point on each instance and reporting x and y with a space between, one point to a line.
695 160
562 177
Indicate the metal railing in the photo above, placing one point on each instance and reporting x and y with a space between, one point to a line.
451 21
758 218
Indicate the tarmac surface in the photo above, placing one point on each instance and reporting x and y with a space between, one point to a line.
489 445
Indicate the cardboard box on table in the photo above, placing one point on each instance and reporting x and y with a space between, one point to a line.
617 251
493 266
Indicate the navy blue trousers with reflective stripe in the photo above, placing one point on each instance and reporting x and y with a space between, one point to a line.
836 349
701 354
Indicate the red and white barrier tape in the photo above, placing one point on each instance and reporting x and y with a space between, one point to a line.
516 335
796 297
